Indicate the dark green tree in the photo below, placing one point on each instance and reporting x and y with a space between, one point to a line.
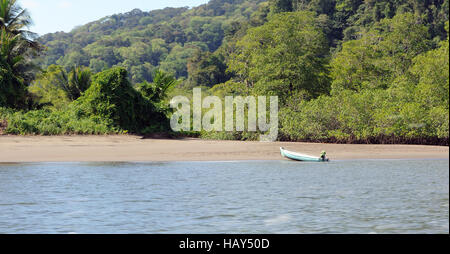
286 55
207 69
17 47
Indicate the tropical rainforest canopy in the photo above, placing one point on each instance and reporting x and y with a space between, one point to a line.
357 71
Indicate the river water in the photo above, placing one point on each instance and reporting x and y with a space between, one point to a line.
375 196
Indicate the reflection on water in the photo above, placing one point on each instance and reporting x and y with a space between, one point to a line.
393 196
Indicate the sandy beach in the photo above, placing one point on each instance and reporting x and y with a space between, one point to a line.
134 148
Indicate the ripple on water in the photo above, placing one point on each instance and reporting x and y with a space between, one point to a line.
232 197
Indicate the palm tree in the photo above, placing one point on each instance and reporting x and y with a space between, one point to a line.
79 81
10 51
12 73
75 83
16 20
162 84
13 17
17 47
164 81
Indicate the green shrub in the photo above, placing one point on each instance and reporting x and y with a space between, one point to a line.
110 106
111 96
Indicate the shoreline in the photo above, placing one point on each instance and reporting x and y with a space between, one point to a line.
198 161
128 148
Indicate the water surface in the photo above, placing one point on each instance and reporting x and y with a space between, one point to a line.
379 196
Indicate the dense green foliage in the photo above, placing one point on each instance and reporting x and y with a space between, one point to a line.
344 20
388 84
345 70
285 56
144 41
387 87
162 84
110 105
195 43
112 97
57 88
51 122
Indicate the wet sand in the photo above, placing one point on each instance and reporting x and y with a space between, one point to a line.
133 148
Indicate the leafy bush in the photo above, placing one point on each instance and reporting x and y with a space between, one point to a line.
111 96
109 106
47 122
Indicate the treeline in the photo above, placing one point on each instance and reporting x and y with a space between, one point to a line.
349 71
391 85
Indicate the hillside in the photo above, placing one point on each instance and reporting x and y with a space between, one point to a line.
345 71
141 41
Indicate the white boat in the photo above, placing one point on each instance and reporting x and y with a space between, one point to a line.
300 157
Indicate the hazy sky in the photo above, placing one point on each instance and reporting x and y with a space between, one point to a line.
63 15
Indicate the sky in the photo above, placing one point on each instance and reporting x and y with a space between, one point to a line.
63 15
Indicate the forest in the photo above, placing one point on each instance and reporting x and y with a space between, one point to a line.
345 71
